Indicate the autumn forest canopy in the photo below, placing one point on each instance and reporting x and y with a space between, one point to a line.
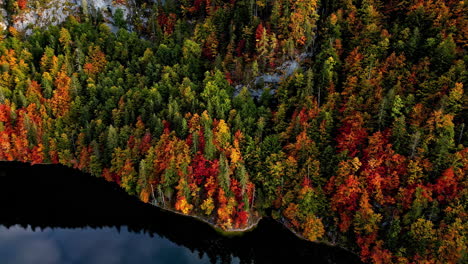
344 120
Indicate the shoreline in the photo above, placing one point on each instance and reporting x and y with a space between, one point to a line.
228 233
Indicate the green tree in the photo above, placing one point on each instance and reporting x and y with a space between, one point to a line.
119 18
216 95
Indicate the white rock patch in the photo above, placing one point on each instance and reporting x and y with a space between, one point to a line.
57 11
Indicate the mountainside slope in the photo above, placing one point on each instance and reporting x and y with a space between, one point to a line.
344 120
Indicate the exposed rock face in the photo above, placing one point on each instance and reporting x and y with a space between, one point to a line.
273 79
3 16
54 12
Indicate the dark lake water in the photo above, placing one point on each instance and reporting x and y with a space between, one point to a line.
87 245
52 214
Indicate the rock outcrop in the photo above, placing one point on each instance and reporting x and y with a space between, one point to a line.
53 12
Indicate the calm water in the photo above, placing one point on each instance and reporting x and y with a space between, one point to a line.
87 245
52 214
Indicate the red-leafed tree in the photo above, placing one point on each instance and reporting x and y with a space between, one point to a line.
145 143
37 154
352 134
259 32
167 22
22 4
242 217
203 169
446 187
382 168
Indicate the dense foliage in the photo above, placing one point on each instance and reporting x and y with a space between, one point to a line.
363 145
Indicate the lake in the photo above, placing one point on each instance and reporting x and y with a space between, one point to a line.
88 245
53 214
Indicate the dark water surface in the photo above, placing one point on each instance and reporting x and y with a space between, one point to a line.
52 214
87 245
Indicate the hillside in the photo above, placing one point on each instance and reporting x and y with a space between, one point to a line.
344 120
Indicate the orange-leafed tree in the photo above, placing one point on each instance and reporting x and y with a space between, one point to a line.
313 228
60 101
96 61
5 131
84 158
5 146
183 192
225 209
302 20
20 136
382 168
345 189
453 242
366 225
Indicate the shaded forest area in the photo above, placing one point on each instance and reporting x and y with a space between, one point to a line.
364 145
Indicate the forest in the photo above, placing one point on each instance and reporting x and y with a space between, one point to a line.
363 145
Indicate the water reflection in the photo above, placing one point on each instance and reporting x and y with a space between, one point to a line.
111 227
107 245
